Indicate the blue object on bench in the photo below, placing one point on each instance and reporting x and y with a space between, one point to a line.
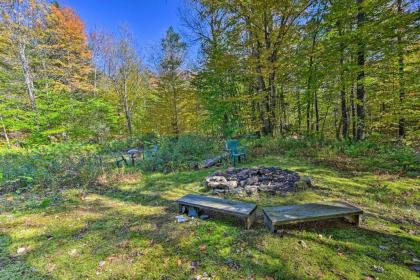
236 151
151 152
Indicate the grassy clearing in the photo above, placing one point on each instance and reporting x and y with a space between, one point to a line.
128 231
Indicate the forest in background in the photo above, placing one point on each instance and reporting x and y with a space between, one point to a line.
98 140
329 69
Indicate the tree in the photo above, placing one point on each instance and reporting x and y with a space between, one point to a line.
68 58
121 77
360 106
174 108
23 20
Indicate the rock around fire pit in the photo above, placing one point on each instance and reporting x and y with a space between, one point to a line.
260 179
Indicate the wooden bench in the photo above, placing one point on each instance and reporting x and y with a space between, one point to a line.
290 214
242 210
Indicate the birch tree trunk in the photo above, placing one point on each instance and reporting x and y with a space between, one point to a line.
127 108
309 87
27 74
5 132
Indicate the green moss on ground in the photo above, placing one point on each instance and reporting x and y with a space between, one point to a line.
128 231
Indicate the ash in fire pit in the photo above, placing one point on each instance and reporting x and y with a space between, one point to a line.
260 179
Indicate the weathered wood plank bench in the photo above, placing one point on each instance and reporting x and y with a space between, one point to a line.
242 210
276 216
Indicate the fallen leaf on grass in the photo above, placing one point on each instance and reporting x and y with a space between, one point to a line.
232 264
414 232
203 248
179 262
194 265
21 250
73 253
50 267
205 276
281 232
378 269
302 243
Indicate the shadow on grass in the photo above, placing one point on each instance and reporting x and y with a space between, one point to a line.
360 243
144 232
13 266
148 237
154 232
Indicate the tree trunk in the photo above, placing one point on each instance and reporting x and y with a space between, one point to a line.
316 111
95 80
175 124
308 111
308 97
401 121
336 124
282 113
299 111
344 113
127 109
309 86
273 101
5 132
27 74
360 106
271 91
353 113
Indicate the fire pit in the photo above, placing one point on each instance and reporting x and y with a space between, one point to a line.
272 180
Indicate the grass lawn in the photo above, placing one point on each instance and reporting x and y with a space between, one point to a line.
128 231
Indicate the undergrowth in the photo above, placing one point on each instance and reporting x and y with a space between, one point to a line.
344 155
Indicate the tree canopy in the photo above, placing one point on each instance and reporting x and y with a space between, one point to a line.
331 69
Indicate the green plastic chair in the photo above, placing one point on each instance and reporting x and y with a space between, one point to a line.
236 152
119 159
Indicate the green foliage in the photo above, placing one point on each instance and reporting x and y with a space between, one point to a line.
61 116
366 155
185 152
52 166
173 107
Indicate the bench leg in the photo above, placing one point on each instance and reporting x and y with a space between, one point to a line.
182 208
269 224
354 219
250 220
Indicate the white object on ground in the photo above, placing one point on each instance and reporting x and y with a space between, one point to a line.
181 219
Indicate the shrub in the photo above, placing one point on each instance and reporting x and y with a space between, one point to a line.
364 155
53 166
182 153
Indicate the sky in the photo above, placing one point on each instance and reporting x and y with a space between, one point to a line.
147 19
